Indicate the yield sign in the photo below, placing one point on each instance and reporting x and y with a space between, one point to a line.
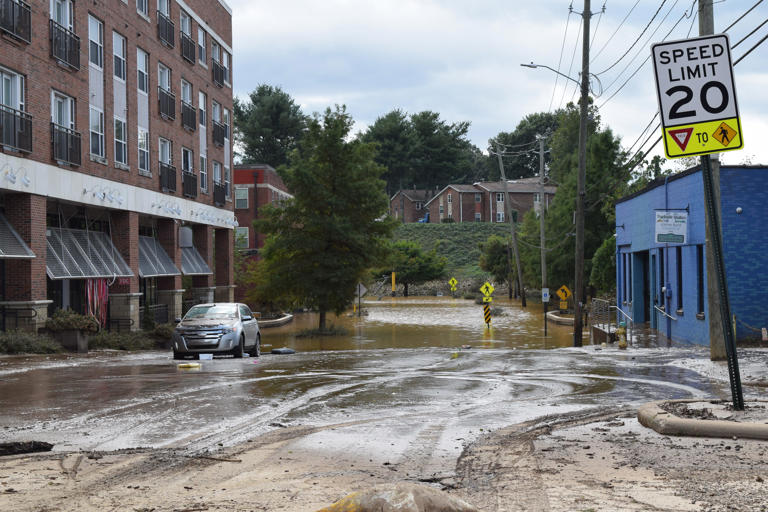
681 136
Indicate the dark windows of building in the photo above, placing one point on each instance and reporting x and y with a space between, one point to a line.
241 198
142 70
499 197
188 176
95 42
188 112
241 236
119 53
142 7
201 47
65 140
204 173
478 217
15 123
167 170
15 19
700 284
96 126
165 27
65 45
121 144
679 268
662 284
144 152
165 98
478 197
187 43
450 198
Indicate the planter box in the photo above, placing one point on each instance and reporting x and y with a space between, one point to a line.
73 340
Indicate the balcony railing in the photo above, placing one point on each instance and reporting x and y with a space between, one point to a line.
167 178
219 133
219 193
65 144
65 45
15 19
15 129
166 103
187 48
188 116
165 29
189 184
219 73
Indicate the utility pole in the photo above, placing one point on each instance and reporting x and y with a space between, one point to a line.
579 278
542 204
717 286
508 213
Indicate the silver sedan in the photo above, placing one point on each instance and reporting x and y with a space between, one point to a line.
219 328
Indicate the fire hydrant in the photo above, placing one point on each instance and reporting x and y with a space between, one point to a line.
621 335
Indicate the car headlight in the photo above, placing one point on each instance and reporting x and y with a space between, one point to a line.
227 330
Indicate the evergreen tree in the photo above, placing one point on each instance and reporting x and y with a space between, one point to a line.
412 265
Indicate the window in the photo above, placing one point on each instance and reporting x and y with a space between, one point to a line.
241 237
142 70
187 159
201 45
450 198
142 7
118 50
164 151
215 51
143 151
441 210
419 205
700 284
478 217
11 89
204 173
225 64
95 42
63 110
241 198
216 112
227 187
121 146
499 197
186 24
216 172
201 101
499 216
226 123
163 76
62 13
97 132
679 257
662 284
536 197
164 7
186 92
478 198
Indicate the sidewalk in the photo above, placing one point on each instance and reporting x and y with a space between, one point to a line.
715 418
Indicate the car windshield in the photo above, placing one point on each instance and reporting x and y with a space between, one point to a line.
216 311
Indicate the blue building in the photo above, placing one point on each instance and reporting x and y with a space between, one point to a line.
664 284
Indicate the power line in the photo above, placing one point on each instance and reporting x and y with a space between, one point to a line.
597 25
562 47
747 36
615 32
750 50
742 16
573 57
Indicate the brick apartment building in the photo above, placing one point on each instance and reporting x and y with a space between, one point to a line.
256 185
410 205
115 158
484 201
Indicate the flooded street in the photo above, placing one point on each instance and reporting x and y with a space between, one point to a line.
401 366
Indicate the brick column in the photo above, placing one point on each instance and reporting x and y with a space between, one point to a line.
26 286
202 286
169 289
224 271
124 293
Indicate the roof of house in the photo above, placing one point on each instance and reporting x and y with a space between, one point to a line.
413 194
524 185
458 188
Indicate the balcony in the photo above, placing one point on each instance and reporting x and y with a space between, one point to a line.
166 103
189 184
219 133
65 45
15 129
219 73
15 20
188 116
187 48
167 178
219 193
165 29
65 144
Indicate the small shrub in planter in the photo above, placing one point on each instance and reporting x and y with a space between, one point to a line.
67 320
121 341
24 342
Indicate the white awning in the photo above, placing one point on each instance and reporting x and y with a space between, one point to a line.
11 244
153 260
80 254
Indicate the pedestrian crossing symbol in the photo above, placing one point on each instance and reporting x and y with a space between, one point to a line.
725 134
487 289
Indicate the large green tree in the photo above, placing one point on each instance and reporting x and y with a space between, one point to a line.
320 243
396 140
414 266
495 258
520 146
268 125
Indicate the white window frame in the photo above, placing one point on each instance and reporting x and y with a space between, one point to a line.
478 197
142 7
225 60
202 99
185 23
243 193
202 37
12 89
65 17
164 151
225 120
204 173
187 160
215 51
227 182
164 76
68 102
216 107
164 7
96 129
95 42
121 144
450 198
143 150
499 197
499 216
142 71
119 52
478 217
419 205
536 197
242 234
216 172
186 92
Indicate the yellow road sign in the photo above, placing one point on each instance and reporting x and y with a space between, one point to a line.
487 314
487 289
563 292
453 282
703 138
563 304
488 299
453 288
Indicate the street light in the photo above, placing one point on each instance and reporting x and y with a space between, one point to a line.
593 78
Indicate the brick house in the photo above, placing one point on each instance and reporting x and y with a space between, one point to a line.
409 205
115 158
256 185
484 201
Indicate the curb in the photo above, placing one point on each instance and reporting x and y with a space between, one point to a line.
561 320
652 416
277 322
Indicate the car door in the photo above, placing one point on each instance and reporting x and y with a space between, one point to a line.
250 326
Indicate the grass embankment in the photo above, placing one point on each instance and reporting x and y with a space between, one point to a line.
456 241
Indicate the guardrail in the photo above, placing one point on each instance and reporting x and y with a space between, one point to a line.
657 308
7 313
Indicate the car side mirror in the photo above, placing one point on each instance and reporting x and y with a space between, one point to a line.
177 320
247 318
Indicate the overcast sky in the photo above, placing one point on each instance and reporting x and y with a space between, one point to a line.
462 59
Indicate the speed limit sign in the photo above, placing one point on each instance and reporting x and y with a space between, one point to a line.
697 96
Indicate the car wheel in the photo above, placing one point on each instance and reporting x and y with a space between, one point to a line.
257 346
240 348
179 355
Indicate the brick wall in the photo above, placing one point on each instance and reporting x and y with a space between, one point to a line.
26 279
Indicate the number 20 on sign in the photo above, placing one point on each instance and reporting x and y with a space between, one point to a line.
697 96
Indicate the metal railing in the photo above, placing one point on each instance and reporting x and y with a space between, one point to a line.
189 184
158 313
65 145
219 73
166 102
165 29
120 324
65 45
15 19
660 310
167 178
188 116
7 314
219 133
219 193
15 129
600 316
188 47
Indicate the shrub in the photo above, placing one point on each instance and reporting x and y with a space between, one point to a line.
121 341
65 319
163 332
24 342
